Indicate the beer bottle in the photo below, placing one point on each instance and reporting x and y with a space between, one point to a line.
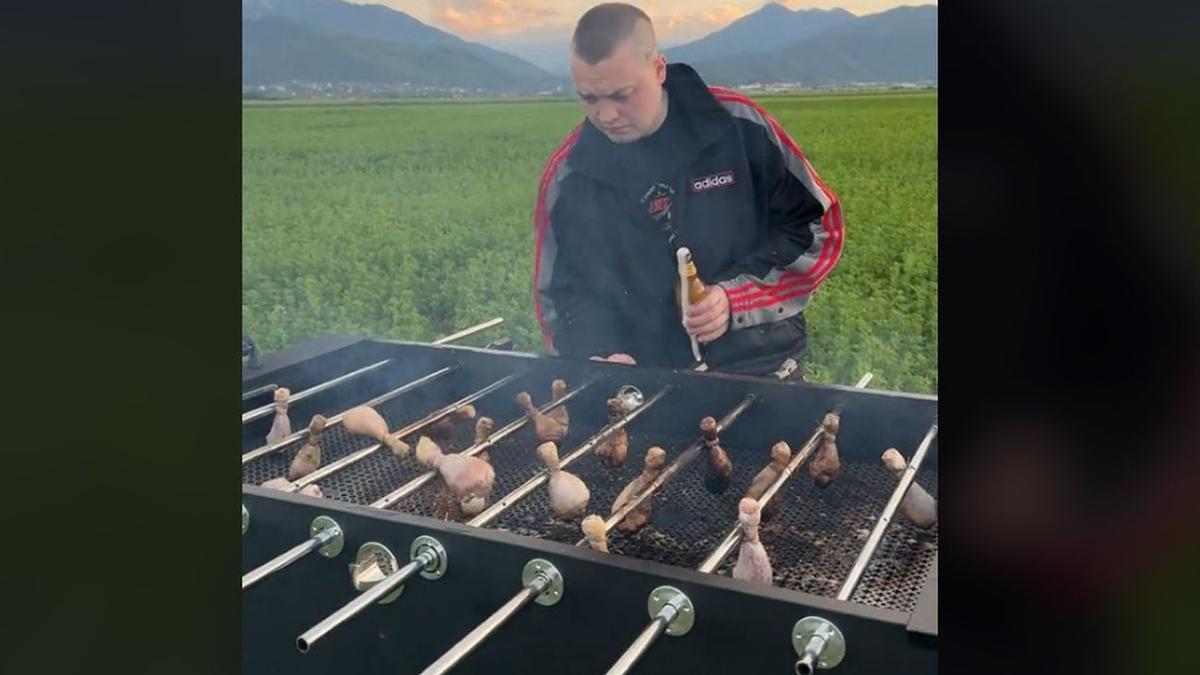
690 284
696 290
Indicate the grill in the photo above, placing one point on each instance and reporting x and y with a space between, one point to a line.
813 541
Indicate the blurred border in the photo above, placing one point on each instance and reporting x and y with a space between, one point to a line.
1070 352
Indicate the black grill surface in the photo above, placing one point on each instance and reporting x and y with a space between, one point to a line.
813 540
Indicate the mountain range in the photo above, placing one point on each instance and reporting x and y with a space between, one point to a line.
334 41
331 40
818 47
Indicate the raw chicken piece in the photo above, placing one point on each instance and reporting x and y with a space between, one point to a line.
613 450
753 565
366 421
444 432
568 494
483 429
593 529
308 458
656 458
281 426
720 468
467 478
546 429
279 484
781 454
472 506
558 389
286 486
826 466
917 505
311 491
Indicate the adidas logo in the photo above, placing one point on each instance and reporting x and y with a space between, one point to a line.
714 181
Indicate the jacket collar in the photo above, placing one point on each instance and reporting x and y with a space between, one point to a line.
696 117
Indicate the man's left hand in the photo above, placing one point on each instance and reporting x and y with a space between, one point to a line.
708 319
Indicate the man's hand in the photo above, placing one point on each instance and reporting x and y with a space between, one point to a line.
708 319
616 358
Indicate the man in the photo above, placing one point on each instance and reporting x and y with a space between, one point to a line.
663 161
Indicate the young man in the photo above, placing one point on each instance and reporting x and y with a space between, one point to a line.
663 161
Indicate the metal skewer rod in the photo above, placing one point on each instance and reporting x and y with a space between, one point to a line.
876 536
731 540
686 457
326 536
497 436
424 558
543 584
265 389
359 455
264 410
265 450
466 332
670 611
511 499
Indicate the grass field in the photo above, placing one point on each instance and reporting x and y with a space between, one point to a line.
412 220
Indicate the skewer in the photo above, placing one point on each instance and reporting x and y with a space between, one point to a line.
497 436
511 499
686 457
876 536
262 411
714 559
265 389
466 332
265 450
670 611
359 455
326 537
690 454
427 557
542 583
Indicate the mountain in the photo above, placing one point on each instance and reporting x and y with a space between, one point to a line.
770 28
550 54
331 40
899 45
371 22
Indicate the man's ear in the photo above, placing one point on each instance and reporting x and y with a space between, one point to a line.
660 68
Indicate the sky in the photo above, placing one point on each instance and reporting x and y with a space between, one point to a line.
675 21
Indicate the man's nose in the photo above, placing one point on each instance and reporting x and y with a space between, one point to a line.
607 113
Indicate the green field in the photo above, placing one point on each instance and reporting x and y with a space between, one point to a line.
412 220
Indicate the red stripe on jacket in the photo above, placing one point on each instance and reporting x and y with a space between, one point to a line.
541 221
831 222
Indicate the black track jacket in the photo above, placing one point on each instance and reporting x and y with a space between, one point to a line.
720 177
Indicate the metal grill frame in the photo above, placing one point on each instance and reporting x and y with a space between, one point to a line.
588 415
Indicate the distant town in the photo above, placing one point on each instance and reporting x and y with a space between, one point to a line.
304 91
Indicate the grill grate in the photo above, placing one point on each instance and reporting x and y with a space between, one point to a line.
818 533
366 480
813 540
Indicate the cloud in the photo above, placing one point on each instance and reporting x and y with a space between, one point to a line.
856 7
677 26
475 18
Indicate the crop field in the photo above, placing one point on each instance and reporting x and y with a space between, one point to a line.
411 220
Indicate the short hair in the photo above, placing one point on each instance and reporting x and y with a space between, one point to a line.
605 26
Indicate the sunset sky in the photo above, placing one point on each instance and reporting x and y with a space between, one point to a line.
676 21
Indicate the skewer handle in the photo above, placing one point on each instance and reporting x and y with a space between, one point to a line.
543 584
671 611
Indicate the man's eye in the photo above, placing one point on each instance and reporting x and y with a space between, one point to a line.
620 98
588 99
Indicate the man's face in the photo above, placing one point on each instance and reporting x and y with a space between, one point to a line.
622 95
